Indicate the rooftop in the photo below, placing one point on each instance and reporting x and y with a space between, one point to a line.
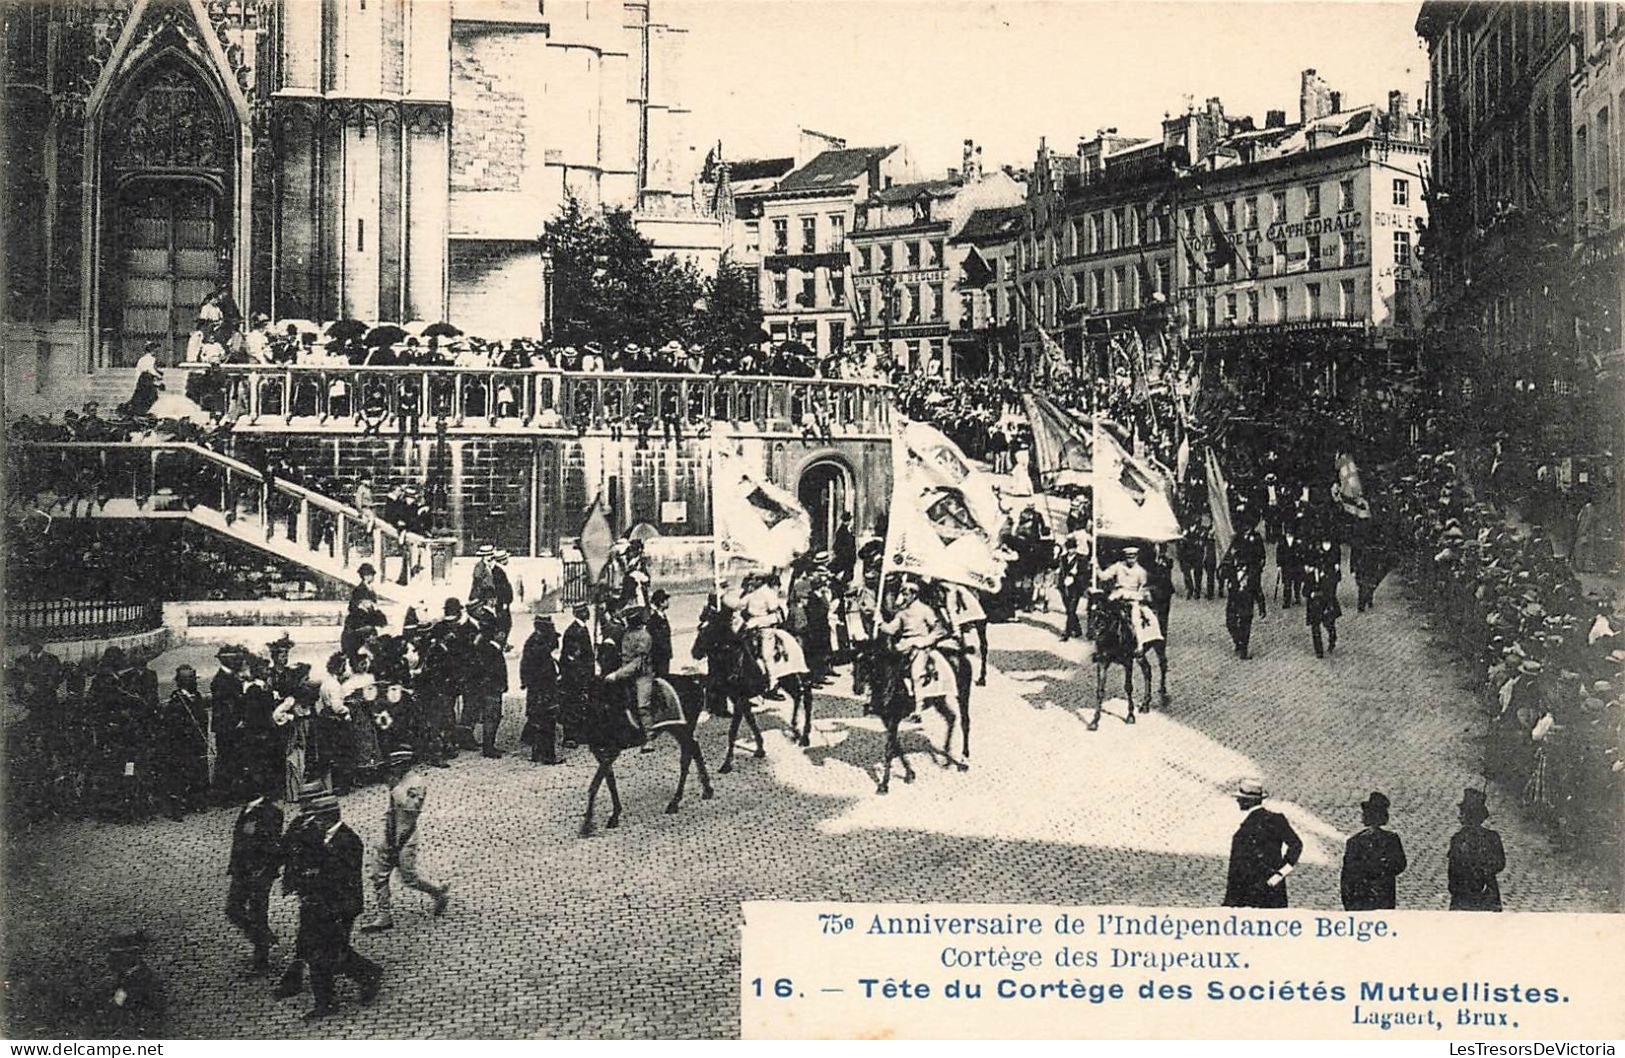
995 222
834 168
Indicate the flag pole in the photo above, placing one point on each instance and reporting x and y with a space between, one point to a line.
716 534
1094 481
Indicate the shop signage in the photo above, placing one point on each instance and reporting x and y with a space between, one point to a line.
1302 229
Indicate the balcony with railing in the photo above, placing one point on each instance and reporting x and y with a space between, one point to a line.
547 401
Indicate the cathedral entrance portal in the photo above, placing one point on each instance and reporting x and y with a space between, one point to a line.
168 143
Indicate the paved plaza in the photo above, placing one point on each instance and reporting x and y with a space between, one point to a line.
635 932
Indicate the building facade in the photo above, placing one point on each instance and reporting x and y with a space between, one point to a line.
1299 246
806 275
1499 346
986 341
1598 86
907 265
382 160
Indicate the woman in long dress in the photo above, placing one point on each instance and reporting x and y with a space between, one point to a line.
303 721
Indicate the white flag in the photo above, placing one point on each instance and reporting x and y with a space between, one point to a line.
935 529
754 519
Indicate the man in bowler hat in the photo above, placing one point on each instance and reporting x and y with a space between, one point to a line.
1476 857
1263 852
1372 859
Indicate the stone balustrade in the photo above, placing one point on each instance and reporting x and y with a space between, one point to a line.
549 399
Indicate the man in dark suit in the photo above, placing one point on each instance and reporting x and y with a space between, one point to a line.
1238 604
539 676
1263 852
225 705
660 632
844 551
578 668
502 600
1073 578
324 859
1372 859
256 859
1476 857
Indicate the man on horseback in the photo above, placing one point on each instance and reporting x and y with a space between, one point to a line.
762 608
1130 590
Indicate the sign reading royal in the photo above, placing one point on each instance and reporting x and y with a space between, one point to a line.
1353 220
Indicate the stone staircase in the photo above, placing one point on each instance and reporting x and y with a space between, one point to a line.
315 532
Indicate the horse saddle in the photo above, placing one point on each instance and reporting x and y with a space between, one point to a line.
663 706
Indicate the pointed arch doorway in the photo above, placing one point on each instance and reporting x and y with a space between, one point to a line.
168 140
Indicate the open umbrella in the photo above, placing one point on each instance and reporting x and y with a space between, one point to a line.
346 329
384 334
441 330
643 531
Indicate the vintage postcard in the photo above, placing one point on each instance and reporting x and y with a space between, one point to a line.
712 519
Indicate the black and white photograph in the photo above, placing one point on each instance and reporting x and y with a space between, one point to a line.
497 490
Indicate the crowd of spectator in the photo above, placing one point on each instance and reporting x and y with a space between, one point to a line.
1550 651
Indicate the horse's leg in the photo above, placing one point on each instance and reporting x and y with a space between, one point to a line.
981 680
1100 695
698 755
1128 685
755 729
1145 677
941 706
964 723
885 767
684 756
1162 673
740 707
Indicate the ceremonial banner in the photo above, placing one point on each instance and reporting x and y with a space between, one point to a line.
754 520
1131 499
1350 493
597 539
1061 449
943 461
937 529
1218 499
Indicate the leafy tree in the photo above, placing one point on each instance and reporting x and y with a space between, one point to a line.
733 316
609 287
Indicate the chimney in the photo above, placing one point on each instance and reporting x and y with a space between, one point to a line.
1314 98
1399 105
1275 119
1337 102
953 176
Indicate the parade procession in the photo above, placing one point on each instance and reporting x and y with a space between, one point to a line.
462 545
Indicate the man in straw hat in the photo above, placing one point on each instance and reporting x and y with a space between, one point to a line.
408 789
1476 857
1263 852
1372 859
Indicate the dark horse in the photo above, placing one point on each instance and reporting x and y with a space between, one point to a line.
891 699
614 732
1115 644
744 679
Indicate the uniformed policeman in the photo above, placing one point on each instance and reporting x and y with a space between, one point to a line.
398 848
256 859
323 867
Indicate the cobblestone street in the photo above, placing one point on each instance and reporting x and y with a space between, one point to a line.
634 932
